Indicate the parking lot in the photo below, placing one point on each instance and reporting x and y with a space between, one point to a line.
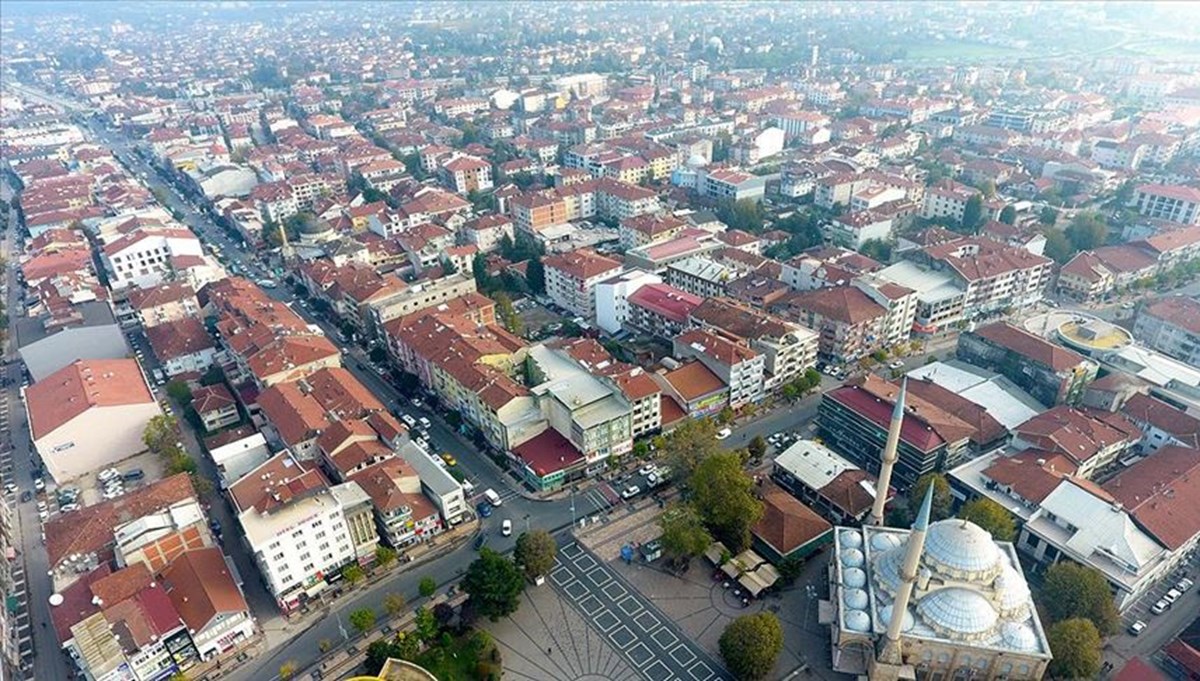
1145 611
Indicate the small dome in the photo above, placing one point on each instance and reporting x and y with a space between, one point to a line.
957 612
907 621
962 549
697 161
887 569
850 539
855 599
1014 592
1019 636
852 558
314 227
854 578
882 541
857 620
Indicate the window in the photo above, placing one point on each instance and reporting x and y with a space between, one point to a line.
304 556
308 568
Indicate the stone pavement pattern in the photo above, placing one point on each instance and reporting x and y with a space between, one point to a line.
545 622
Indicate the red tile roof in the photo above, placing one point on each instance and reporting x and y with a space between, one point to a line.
694 380
1030 346
1162 492
548 453
200 586
787 524
845 304
581 264
1179 311
666 301
1074 433
81 385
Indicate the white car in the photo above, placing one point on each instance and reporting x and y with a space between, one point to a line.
896 364
408 420
647 469
724 433
631 492
1137 628
506 527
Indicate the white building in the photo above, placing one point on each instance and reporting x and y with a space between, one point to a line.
294 526
730 184
1177 203
147 257
612 298
571 279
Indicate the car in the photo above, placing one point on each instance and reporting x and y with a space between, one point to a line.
1172 596
67 508
648 469
481 540
896 364
1137 628
26 496
652 479
506 527
425 422
724 433
132 475
39 484
1185 585
485 509
107 474
1127 306
1160 607
631 492
449 459
492 498
408 420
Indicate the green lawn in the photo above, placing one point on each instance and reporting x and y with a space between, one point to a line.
953 49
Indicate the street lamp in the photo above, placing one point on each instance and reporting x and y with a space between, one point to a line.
572 506
526 522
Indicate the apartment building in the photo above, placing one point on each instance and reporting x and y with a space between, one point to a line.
1050 373
700 276
571 279
465 174
660 310
486 232
295 527
1177 203
848 323
730 185
732 359
1088 440
166 302
1171 325
643 230
594 417
147 257
787 349
613 310
947 200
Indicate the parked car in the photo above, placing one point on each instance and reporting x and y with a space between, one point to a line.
132 475
896 364
631 492
26 495
648 469
1137 628
485 509
506 527
724 433
1172 596
481 540
1185 585
449 459
1160 607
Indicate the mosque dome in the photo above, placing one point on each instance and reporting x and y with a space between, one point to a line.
852 558
697 161
1013 591
855 599
1019 635
963 550
857 620
958 613
854 578
906 622
850 539
882 541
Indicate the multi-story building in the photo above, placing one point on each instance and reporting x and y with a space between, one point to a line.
612 298
406 300
700 276
730 185
465 174
788 349
947 199
147 257
1051 374
833 486
594 417
166 302
852 230
487 231
1177 203
403 514
660 310
644 230
732 359
1088 440
571 279
209 601
899 303
295 528
1171 325
848 323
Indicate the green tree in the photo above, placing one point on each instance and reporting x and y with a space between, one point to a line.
972 214
1048 216
876 249
384 556
990 516
723 495
535 276
745 215
683 533
362 619
287 670
1072 590
751 644
1057 247
535 552
180 392
425 625
161 431
1008 215
1086 231
688 445
757 448
507 313
393 603
427 587
495 583
942 499
354 574
1075 644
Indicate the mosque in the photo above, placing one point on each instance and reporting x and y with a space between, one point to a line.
940 601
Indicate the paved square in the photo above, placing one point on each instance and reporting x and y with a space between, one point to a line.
657 671
640 655
576 589
701 671
665 638
646 621
614 591
599 576
605 620
590 605
629 605
585 562
622 636
683 656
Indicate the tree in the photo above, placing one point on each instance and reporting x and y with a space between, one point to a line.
393 604
1008 215
287 670
1048 216
1075 644
180 392
324 645
942 499
161 431
427 587
972 214
362 619
507 313
683 533
751 644
354 574
448 266
990 516
443 613
1072 590
425 625
535 276
723 495
757 448
535 552
384 556
876 249
745 215
688 445
496 583
1086 231
1057 247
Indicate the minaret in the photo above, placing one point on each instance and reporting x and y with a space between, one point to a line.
889 457
889 650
